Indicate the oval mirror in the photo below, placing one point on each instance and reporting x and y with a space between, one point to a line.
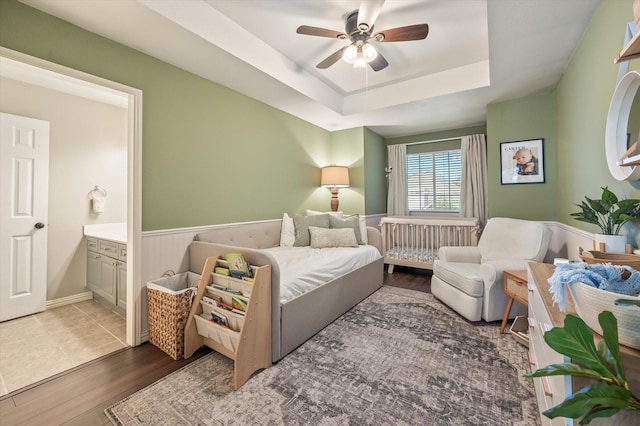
623 123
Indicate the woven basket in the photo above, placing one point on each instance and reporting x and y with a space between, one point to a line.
632 260
168 312
590 301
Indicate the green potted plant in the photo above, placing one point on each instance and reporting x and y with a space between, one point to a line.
609 213
609 392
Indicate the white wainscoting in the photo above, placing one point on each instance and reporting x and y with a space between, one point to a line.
169 249
565 241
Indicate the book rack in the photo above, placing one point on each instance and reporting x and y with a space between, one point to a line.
247 339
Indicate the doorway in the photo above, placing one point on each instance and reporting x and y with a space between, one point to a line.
48 74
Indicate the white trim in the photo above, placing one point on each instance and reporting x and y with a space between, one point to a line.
134 178
80 297
566 240
435 140
567 228
196 229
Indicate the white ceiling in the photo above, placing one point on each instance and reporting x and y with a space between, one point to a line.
477 52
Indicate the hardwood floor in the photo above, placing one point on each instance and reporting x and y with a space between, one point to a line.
79 396
410 278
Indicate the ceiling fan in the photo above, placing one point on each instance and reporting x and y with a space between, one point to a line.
359 29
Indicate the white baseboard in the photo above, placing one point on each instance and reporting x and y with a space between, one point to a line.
80 297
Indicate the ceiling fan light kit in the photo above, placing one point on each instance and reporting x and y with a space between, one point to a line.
359 29
359 54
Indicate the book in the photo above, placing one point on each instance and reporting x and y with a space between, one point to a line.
209 301
222 270
238 266
236 262
226 306
238 303
219 319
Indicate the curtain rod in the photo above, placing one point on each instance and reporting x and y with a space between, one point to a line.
435 140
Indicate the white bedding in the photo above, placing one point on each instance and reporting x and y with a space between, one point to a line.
304 268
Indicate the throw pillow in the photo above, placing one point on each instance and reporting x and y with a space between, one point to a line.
330 238
351 222
363 230
288 232
302 224
338 214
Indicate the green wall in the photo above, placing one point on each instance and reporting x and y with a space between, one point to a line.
375 183
209 154
572 120
347 149
212 155
583 98
522 119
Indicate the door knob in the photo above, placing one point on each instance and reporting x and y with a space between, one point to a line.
39 225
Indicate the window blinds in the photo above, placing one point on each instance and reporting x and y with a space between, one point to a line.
434 180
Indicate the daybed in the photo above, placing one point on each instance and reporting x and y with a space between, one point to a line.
300 316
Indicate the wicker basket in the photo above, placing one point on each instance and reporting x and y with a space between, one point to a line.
170 300
632 260
590 301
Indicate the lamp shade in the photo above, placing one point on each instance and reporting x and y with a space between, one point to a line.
335 176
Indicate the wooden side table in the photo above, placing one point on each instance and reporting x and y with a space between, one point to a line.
515 286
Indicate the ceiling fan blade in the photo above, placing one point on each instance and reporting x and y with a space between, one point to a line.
320 32
331 59
379 63
410 32
368 13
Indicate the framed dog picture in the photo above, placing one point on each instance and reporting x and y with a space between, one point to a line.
522 162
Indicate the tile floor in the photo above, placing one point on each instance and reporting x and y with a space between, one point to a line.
38 346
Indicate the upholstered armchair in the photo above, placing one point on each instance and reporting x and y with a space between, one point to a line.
469 279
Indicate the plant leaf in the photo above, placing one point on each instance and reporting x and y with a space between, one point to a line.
628 210
608 197
563 370
597 205
609 325
575 340
598 412
598 395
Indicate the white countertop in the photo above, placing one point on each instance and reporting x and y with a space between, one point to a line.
116 232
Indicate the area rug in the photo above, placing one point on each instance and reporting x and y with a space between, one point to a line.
400 357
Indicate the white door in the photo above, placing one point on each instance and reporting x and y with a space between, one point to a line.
24 177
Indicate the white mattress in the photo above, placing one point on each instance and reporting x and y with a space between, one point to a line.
304 268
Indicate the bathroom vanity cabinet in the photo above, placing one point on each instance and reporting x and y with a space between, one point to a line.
107 271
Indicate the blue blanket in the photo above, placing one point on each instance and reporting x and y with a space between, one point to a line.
604 276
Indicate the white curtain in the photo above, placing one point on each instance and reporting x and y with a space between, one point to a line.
397 194
473 194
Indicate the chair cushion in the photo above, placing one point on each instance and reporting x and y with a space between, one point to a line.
510 239
463 276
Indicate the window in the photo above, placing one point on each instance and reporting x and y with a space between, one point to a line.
434 180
